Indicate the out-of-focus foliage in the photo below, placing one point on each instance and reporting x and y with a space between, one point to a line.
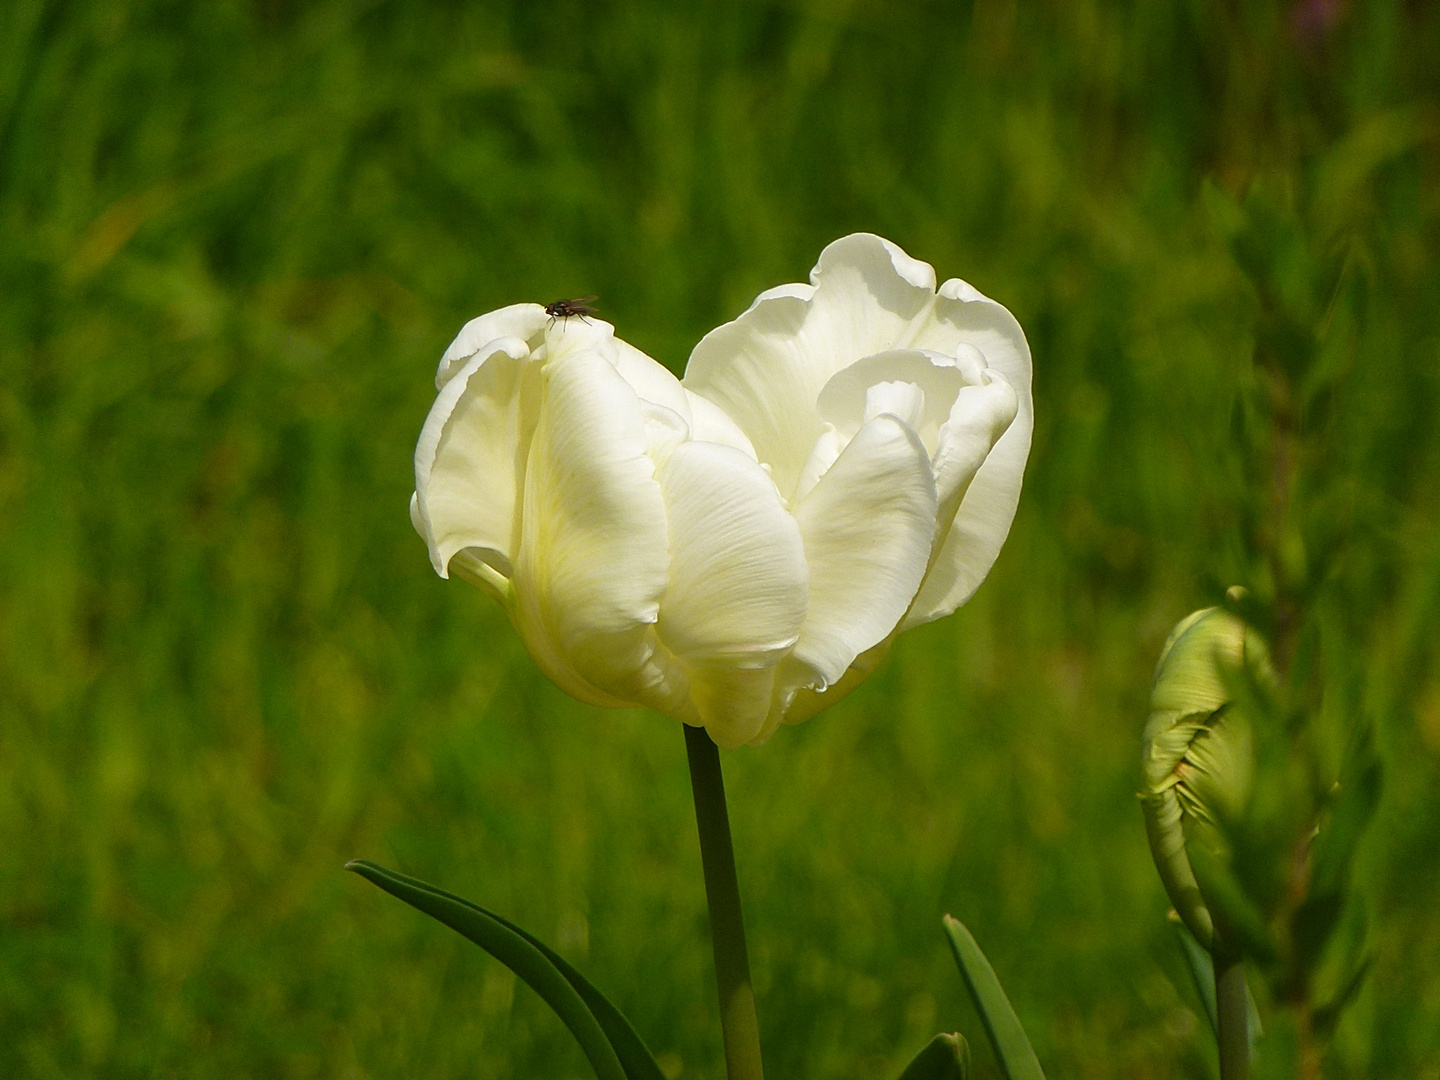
234 239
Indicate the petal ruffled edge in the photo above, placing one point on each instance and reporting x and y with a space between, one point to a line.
766 368
471 510
988 509
522 321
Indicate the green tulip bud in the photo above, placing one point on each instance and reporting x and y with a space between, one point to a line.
1199 760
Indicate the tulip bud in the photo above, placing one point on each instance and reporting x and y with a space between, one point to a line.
1199 760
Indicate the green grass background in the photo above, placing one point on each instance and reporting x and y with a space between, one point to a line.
236 236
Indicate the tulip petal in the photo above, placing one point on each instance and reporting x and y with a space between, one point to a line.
868 527
738 586
757 370
710 424
869 296
807 702
651 380
732 703
738 576
594 550
470 462
988 507
521 321
766 369
843 400
978 420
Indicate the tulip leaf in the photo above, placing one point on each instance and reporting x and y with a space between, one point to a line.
1236 917
1201 969
615 1050
945 1057
1002 1026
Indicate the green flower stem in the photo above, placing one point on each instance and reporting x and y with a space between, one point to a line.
1233 1013
738 1024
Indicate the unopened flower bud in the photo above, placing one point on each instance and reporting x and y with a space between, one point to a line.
1198 755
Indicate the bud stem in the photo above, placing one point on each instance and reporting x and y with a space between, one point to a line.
738 1023
1233 1015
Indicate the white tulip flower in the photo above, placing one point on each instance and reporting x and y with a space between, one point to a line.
737 549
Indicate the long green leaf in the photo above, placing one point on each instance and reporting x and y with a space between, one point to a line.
1202 970
945 1057
614 1049
634 1055
1236 916
1007 1037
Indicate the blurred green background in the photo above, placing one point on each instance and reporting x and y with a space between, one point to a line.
235 237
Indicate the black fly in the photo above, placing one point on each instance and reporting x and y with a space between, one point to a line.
563 309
